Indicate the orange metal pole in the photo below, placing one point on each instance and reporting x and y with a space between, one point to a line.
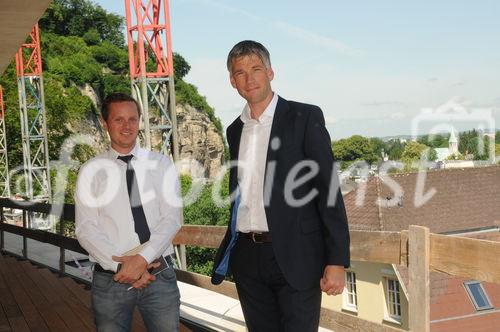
2 106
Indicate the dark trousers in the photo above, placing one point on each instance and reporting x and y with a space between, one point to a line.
269 303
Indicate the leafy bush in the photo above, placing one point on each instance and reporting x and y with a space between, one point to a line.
204 211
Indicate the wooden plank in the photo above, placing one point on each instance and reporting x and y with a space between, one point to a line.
7 300
78 291
403 259
465 257
4 322
29 310
10 307
67 212
381 247
419 290
200 236
18 324
225 288
74 304
47 311
69 318
25 205
45 237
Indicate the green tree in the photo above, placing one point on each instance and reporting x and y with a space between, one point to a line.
395 149
378 146
181 66
413 152
434 141
78 17
204 211
114 57
352 149
474 143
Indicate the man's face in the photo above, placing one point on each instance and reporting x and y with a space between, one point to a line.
251 78
122 125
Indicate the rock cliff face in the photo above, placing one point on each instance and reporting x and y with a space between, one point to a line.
201 146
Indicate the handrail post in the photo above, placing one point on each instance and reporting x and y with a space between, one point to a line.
2 240
25 240
419 290
62 252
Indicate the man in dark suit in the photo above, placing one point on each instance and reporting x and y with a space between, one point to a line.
288 238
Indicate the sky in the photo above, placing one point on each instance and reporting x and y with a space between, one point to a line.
374 67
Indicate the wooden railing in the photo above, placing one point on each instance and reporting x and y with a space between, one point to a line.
416 248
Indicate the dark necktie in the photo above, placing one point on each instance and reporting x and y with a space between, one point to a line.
140 223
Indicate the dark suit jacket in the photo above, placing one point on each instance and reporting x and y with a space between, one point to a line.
308 237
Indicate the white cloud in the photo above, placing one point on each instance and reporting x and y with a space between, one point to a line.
383 103
316 39
306 36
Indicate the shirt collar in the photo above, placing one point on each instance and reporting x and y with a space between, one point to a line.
267 114
113 154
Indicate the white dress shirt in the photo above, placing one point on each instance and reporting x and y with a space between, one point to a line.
252 159
104 222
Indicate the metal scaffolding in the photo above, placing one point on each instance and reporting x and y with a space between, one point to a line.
4 164
33 121
152 72
152 78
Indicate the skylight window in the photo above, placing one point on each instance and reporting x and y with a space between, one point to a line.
478 295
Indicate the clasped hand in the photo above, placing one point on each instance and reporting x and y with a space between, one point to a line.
134 271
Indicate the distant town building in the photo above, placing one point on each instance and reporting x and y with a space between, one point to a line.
444 154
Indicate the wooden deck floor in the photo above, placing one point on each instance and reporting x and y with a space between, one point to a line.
35 299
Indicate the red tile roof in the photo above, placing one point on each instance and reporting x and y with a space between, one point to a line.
459 199
466 200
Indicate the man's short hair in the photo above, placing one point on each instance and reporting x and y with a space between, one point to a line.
117 98
249 47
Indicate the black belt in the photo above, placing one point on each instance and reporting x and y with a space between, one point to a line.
99 268
264 237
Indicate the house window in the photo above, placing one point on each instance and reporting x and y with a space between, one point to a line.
478 295
350 294
393 299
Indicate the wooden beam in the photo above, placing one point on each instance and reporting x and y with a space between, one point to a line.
465 257
200 236
381 247
419 290
45 237
403 259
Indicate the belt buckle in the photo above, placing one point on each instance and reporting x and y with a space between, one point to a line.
258 239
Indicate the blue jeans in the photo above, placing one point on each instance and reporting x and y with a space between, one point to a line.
158 303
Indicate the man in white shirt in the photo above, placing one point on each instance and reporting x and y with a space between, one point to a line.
128 198
288 237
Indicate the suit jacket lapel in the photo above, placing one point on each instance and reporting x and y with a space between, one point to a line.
277 129
234 136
